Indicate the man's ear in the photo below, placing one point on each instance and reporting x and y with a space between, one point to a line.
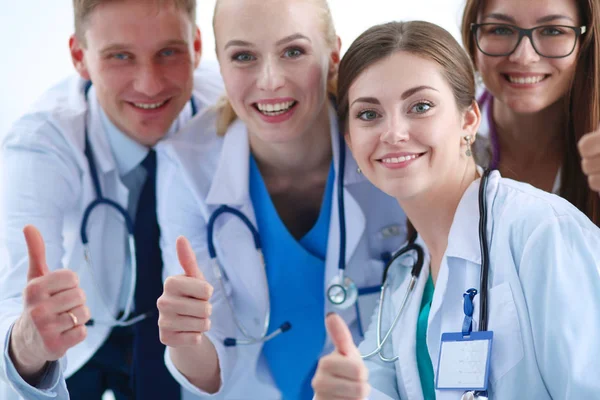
197 47
76 49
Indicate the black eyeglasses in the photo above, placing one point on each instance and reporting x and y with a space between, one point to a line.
551 41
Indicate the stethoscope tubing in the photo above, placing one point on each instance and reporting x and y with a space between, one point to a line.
218 269
416 271
124 319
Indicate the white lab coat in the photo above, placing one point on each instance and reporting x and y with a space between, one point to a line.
544 299
47 183
198 175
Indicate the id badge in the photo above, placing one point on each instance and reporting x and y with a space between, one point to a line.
464 362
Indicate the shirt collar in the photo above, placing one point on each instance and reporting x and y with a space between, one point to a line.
127 152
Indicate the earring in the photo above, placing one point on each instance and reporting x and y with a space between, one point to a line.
468 153
478 79
359 170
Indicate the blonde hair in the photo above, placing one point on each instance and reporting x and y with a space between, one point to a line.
83 8
226 113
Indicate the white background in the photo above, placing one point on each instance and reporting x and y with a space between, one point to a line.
34 39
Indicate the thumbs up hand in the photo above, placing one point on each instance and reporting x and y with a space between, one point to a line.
589 149
341 374
184 309
54 313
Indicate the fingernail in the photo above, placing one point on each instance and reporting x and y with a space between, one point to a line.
329 313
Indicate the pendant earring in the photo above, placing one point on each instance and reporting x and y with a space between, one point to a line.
478 79
468 153
359 170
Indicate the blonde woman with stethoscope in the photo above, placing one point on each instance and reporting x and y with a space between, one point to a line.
283 226
439 332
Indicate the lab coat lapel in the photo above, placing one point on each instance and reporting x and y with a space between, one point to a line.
404 336
233 241
230 184
460 271
103 219
462 262
446 314
103 156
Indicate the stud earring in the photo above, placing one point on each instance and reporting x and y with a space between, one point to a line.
468 153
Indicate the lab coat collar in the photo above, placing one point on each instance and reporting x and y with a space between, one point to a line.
230 184
466 221
404 336
461 264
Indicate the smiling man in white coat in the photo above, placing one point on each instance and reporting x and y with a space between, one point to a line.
80 167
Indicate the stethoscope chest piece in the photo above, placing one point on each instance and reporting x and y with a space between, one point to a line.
342 292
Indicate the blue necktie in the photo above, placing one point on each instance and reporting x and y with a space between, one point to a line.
151 379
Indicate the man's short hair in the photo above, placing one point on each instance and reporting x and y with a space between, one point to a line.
83 8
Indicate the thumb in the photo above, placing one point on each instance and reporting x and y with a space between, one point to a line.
340 335
37 253
187 258
589 144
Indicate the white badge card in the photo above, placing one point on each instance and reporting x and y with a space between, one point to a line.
464 361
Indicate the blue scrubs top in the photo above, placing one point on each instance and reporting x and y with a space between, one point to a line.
295 275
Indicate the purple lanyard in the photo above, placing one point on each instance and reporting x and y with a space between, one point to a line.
487 100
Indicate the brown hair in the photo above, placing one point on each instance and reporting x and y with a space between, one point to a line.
226 112
583 102
83 8
420 38
417 37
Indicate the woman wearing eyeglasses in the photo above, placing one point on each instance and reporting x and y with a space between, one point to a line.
540 63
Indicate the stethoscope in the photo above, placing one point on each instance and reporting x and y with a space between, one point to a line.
100 200
341 291
416 271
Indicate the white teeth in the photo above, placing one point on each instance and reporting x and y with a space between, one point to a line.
147 106
275 109
401 159
526 80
